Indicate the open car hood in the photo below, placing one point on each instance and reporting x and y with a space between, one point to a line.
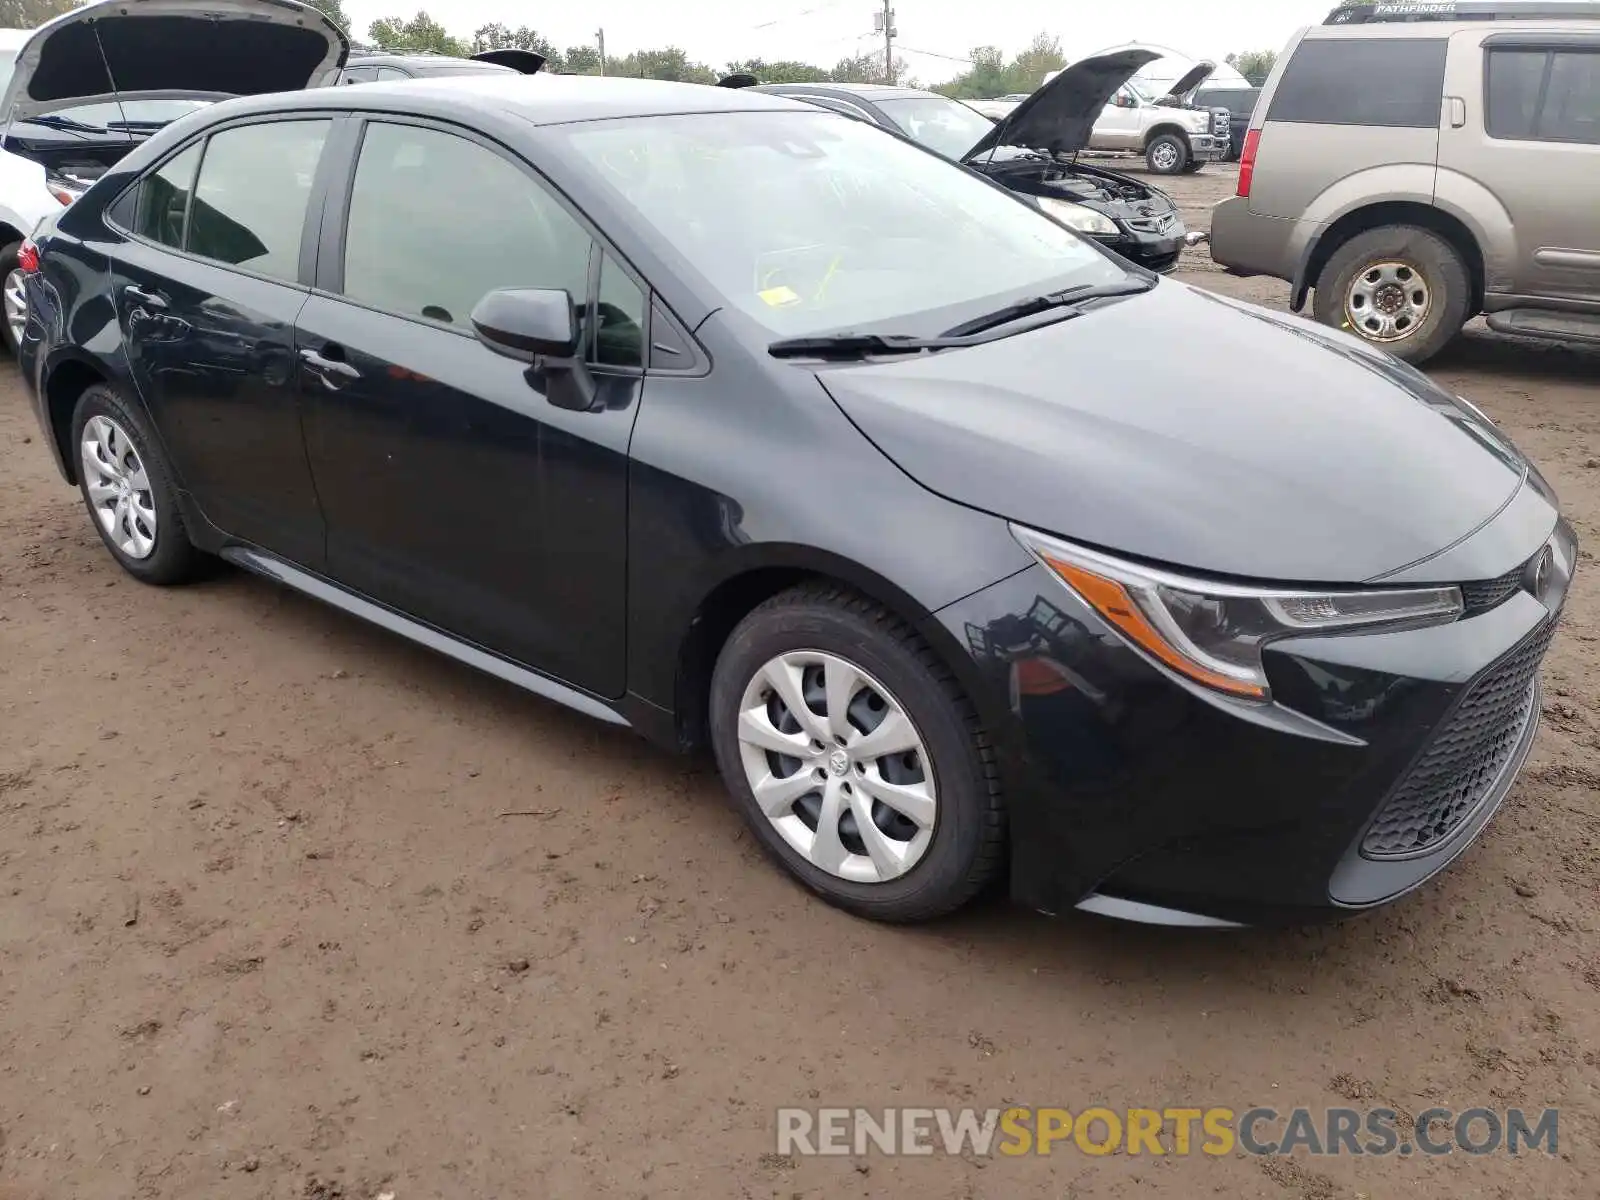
1060 116
168 49
529 62
1189 83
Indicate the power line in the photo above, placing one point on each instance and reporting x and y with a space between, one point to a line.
806 12
935 54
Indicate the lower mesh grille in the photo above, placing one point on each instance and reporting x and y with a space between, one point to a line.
1485 594
1453 776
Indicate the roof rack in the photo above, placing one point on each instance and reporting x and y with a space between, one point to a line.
1463 10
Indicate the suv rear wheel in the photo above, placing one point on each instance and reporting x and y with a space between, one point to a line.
1399 287
1167 154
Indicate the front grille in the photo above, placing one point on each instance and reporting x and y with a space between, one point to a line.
1221 122
1454 775
1485 594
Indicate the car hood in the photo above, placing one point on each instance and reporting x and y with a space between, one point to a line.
1188 84
154 49
1060 116
528 62
1223 439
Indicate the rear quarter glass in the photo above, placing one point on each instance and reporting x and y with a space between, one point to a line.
1394 83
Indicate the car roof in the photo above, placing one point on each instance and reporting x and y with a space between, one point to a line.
539 99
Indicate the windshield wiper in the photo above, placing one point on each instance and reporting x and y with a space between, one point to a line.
139 126
1072 297
857 345
56 121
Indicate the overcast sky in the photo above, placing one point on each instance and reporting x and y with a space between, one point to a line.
824 31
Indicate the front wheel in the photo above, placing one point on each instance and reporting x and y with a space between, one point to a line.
855 758
15 297
1167 154
1399 287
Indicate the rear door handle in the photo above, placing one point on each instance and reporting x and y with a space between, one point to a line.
1457 108
328 366
139 296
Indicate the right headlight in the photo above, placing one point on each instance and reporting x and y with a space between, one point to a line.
1079 217
1212 633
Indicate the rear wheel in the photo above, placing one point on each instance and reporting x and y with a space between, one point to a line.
855 758
14 295
1399 287
1167 154
128 489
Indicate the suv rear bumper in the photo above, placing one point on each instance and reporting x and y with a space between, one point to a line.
1249 243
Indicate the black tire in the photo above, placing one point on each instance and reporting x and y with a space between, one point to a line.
967 848
174 558
1438 263
1158 159
8 263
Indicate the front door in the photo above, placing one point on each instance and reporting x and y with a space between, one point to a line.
454 491
1118 125
207 291
1521 132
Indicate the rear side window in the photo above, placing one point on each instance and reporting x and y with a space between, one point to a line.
164 200
1544 95
391 73
250 203
438 222
1394 82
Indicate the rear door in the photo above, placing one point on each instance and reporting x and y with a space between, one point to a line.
1523 125
455 492
207 290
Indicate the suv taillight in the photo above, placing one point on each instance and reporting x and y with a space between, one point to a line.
28 257
1247 161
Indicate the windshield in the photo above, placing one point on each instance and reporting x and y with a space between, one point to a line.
809 222
947 127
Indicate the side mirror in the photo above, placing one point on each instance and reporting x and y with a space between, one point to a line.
539 326
527 323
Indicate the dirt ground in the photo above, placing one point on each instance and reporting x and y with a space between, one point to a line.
292 909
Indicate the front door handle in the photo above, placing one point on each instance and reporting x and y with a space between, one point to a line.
139 296
328 366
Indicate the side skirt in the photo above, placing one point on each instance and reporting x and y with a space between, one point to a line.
261 563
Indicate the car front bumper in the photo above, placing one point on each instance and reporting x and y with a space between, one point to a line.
1155 251
1380 759
1205 148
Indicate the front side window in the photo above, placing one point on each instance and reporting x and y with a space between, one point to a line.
250 202
438 222
1393 82
164 197
809 223
619 318
943 126
388 73
1544 95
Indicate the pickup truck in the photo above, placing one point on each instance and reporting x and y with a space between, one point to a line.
1175 135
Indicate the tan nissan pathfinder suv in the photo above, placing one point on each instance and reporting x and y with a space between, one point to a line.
1420 163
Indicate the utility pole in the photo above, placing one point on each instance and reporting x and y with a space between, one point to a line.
600 36
884 22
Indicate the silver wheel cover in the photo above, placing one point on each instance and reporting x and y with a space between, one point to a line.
837 766
16 305
118 488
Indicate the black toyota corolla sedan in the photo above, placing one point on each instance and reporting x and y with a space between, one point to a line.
715 415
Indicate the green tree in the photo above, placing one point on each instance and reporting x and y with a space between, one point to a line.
25 14
421 32
333 10
782 71
1254 65
670 63
868 68
582 60
1028 69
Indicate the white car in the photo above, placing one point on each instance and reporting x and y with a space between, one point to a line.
1174 134
82 91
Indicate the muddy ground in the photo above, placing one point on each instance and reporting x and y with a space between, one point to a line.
268 930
